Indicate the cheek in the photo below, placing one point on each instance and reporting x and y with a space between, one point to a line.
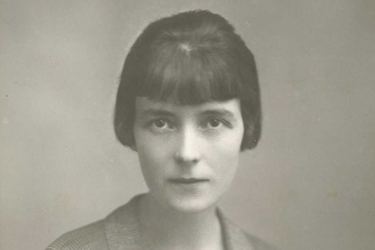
150 166
227 160
152 158
226 154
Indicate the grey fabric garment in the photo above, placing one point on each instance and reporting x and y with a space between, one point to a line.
121 231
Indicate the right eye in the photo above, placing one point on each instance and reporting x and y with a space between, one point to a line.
161 124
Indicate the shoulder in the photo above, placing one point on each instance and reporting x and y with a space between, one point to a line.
119 230
237 238
90 237
259 244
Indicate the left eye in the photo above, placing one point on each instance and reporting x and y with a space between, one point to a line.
214 123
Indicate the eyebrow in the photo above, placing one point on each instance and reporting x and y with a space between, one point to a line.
157 112
218 112
207 112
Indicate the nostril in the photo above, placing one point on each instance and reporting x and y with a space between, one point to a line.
189 159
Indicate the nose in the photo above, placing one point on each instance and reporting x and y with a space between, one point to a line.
187 150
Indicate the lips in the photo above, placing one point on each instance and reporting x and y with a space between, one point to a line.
188 180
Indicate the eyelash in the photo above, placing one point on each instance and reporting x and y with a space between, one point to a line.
152 123
221 122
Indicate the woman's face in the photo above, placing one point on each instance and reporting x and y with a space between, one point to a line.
188 154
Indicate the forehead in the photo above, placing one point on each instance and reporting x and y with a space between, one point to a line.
144 105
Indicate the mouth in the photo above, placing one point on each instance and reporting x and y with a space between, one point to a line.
188 180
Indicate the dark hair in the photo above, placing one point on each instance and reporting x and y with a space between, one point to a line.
189 58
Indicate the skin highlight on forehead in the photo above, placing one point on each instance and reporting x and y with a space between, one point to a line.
185 47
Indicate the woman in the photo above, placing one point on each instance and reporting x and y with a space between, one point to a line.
188 103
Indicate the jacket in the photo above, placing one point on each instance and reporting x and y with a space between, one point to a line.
120 230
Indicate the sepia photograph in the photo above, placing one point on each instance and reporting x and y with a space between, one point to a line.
200 125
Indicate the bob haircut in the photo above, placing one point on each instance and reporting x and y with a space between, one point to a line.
188 59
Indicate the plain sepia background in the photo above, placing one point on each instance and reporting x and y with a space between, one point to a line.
310 183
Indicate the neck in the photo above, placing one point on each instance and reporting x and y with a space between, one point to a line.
166 228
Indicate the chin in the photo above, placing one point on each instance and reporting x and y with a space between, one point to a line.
191 205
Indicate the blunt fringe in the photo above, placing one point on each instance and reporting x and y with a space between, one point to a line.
188 59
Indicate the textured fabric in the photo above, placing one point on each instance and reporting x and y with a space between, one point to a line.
121 231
